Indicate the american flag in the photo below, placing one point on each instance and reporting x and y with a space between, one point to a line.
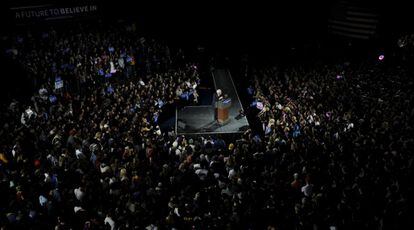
353 19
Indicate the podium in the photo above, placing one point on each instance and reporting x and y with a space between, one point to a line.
222 111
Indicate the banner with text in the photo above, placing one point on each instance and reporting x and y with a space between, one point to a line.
24 14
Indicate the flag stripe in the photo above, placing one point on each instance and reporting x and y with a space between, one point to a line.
346 29
352 24
355 19
351 35
361 14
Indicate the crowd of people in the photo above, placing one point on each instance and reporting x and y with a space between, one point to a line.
342 137
405 41
332 151
86 55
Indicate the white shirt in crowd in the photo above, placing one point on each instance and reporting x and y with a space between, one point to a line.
77 209
121 63
307 190
108 220
79 193
113 70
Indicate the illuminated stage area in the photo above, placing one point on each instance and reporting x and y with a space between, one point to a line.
201 120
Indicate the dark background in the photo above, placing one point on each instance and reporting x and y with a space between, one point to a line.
243 24
280 31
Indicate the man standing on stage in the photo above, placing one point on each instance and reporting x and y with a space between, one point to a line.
218 96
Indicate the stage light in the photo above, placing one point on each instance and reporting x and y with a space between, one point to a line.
381 57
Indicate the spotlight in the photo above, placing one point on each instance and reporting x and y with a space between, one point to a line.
381 57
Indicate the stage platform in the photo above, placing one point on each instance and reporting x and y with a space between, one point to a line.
200 119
